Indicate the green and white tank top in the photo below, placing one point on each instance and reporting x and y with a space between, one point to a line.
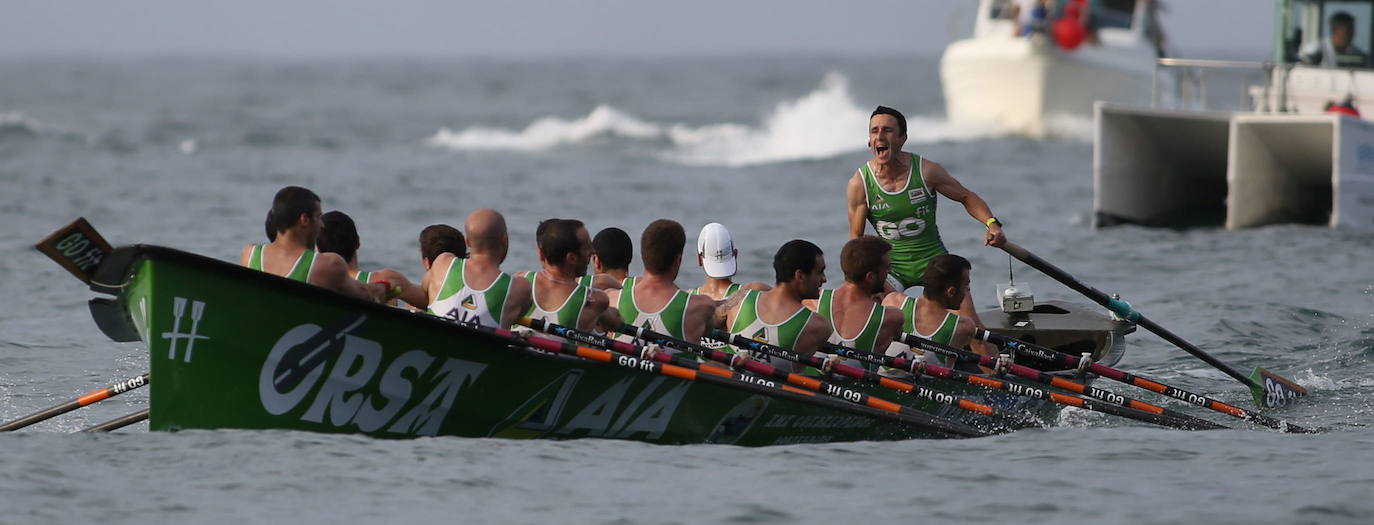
864 340
469 305
712 343
784 334
668 320
300 271
565 314
942 334
905 218
586 280
364 276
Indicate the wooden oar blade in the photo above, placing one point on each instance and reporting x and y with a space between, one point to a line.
1272 391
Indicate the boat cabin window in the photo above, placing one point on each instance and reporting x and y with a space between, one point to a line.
1335 34
1113 13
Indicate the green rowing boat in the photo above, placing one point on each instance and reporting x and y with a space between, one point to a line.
237 348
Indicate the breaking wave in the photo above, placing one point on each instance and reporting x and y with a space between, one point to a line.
821 124
14 125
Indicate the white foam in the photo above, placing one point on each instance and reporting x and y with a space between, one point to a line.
549 132
821 124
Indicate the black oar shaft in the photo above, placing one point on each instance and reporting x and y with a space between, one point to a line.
119 422
1120 308
91 398
1051 355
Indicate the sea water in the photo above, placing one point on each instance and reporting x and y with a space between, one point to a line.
187 153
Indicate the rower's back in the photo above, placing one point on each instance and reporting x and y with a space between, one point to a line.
556 293
296 219
654 300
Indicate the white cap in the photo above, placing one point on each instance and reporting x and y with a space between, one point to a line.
717 251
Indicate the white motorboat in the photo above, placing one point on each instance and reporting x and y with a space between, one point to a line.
1032 86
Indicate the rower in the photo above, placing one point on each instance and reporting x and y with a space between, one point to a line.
777 316
475 290
557 296
935 315
338 234
295 217
857 319
896 191
437 239
654 301
612 253
718 258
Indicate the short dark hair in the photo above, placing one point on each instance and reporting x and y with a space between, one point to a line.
539 230
662 241
559 239
1342 18
288 205
271 232
613 247
796 255
338 235
442 238
942 272
862 255
884 110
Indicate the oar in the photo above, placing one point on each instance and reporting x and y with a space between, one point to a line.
859 374
1042 377
1051 355
1268 388
119 422
91 398
763 369
942 373
918 367
733 380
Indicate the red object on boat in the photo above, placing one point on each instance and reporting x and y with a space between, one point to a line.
1068 30
1344 108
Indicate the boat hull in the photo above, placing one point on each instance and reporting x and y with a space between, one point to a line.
1022 86
236 348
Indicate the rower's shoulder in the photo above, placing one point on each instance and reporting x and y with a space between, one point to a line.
892 315
246 254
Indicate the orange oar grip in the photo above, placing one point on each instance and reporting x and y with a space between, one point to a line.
93 397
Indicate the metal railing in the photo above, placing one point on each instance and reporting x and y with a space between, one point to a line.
1191 79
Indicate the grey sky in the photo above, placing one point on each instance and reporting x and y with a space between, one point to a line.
531 28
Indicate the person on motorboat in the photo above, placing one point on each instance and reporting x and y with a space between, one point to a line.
895 192
777 316
339 234
936 314
718 259
557 294
295 217
1337 50
857 319
475 290
654 300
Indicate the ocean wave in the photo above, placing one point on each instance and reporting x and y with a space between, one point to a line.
15 125
821 124
549 132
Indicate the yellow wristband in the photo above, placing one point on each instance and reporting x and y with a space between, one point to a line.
992 220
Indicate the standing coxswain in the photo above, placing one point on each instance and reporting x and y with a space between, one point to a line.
895 193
